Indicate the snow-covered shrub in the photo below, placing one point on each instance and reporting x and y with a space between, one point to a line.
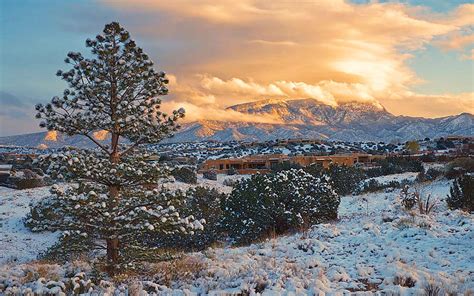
372 185
185 175
203 204
459 167
404 281
462 194
286 165
232 171
25 179
411 198
345 179
408 199
430 175
230 182
210 175
395 165
315 169
279 202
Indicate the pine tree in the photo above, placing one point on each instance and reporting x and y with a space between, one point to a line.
462 194
116 91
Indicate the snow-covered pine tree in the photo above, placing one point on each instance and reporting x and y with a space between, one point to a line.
116 91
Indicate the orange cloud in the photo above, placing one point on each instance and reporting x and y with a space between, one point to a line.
330 50
430 105
100 135
51 136
457 41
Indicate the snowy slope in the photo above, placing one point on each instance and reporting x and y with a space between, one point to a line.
375 246
308 118
17 243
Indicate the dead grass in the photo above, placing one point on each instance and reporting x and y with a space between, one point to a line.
35 270
432 289
425 206
184 269
404 281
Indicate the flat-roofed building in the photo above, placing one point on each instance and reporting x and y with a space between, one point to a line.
264 163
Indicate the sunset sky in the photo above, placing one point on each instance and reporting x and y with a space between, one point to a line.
415 58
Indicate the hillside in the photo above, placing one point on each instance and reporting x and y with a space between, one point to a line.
309 118
305 118
374 247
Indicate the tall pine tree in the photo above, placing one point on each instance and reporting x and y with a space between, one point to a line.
116 91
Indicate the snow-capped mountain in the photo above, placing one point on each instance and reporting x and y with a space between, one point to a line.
305 118
42 139
308 118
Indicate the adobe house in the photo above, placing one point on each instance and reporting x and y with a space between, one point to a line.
264 163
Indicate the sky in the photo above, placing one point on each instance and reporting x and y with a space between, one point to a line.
414 57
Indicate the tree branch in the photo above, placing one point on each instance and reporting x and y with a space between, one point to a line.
138 142
97 143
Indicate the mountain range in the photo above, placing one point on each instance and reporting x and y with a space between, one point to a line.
308 118
302 118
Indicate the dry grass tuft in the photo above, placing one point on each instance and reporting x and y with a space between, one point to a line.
404 281
184 269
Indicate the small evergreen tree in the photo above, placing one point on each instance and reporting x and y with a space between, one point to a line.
116 91
346 179
185 175
279 202
462 194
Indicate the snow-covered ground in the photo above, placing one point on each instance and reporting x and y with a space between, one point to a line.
374 246
17 243
201 181
408 176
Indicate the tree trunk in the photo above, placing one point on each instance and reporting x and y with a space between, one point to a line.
113 250
113 244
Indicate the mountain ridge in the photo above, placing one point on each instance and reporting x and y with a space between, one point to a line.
300 118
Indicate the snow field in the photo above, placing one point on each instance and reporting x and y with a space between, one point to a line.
375 247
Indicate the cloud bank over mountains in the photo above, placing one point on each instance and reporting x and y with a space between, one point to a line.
331 50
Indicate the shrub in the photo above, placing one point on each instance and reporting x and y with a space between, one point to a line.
284 166
430 175
373 185
425 206
232 171
210 175
278 202
185 175
230 182
203 204
315 169
25 179
462 194
459 167
21 183
408 198
395 165
345 179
